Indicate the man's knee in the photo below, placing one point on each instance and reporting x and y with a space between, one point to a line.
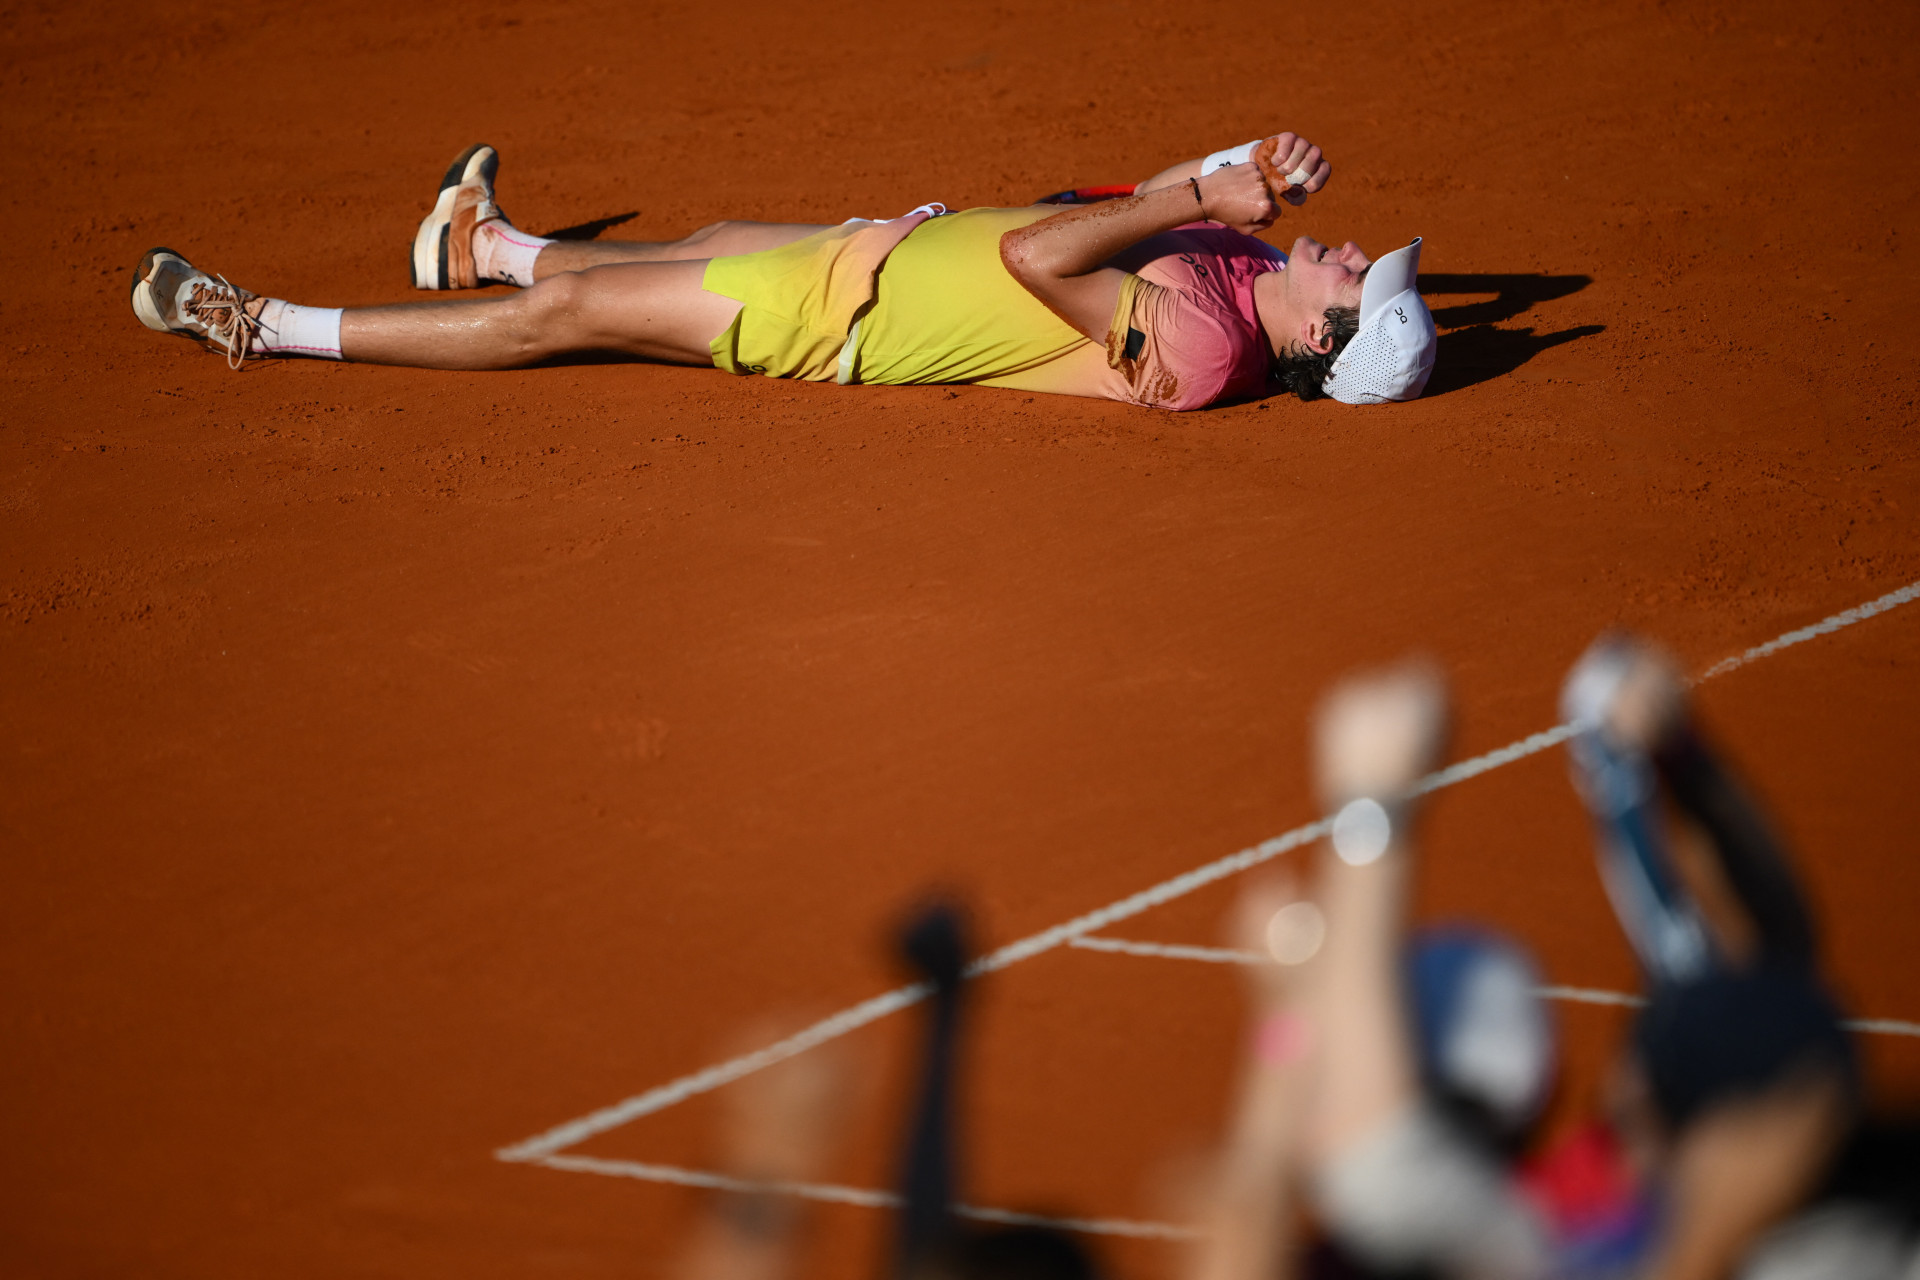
550 315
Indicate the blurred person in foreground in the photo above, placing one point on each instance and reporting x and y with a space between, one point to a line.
1160 297
1390 1080
779 1130
783 1124
1731 1099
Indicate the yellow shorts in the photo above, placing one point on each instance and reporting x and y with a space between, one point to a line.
947 310
943 309
800 299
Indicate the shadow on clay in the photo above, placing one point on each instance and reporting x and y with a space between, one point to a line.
575 359
1513 294
591 229
1474 350
1482 353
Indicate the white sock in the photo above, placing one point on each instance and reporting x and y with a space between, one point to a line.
289 330
503 252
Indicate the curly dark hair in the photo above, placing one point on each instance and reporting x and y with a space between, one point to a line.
1302 371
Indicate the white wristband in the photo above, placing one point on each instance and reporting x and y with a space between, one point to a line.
1362 830
1232 155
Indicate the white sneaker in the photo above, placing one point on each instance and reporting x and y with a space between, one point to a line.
172 295
443 247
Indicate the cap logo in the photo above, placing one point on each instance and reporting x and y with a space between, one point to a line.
1402 313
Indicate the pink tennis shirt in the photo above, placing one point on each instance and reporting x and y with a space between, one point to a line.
1193 335
1185 334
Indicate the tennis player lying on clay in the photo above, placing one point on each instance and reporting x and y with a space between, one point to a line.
1161 298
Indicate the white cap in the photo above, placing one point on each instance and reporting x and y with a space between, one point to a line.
1391 356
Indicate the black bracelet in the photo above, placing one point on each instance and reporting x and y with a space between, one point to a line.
1195 182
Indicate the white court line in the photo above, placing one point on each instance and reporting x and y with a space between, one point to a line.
573 1132
859 1196
1891 600
1170 951
560 1137
1593 995
1884 1027
1574 995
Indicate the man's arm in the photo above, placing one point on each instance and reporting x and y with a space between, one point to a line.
1751 857
1246 1212
1060 259
1264 154
780 1126
1745 887
1376 735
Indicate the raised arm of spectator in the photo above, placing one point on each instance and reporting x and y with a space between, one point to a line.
1375 737
780 1126
1329 1060
1247 1213
1756 865
1646 711
1392 1179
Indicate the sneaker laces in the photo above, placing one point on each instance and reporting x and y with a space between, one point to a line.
223 310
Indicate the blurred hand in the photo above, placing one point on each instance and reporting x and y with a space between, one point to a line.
1629 688
1379 733
780 1123
1652 698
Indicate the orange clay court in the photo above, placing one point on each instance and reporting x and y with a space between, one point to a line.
400 765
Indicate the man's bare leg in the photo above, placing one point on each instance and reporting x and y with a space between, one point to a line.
715 240
656 310
652 309
466 241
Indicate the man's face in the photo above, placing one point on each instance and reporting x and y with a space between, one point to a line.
1318 277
